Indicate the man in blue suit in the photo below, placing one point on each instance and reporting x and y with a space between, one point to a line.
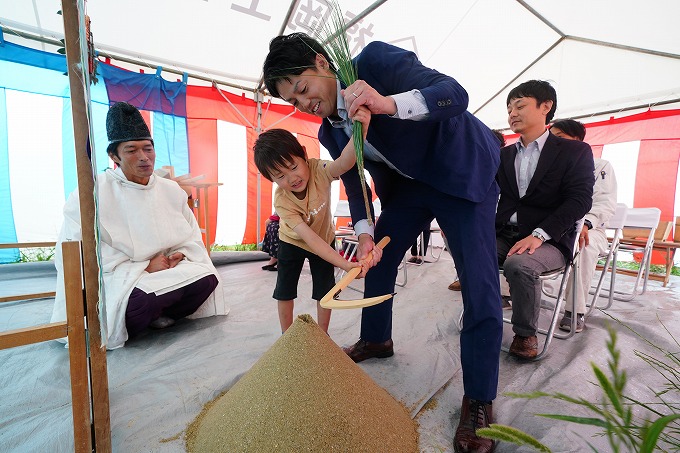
429 158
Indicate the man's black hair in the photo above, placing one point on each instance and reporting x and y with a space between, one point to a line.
499 135
538 89
274 149
290 55
571 127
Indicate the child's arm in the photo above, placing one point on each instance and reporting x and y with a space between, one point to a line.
325 251
348 156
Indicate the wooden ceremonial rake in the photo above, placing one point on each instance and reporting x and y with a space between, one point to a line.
330 299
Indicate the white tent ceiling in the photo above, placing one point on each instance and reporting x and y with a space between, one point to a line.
602 55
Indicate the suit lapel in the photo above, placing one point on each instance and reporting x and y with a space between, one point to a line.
508 162
548 155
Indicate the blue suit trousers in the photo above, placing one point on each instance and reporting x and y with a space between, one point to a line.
469 229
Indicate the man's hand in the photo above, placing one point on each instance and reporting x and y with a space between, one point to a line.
529 243
158 263
360 93
174 259
367 245
583 240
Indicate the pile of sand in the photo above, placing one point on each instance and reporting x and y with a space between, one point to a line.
304 394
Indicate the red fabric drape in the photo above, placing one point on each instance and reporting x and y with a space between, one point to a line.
202 136
208 104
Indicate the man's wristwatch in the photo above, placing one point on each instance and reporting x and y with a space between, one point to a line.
588 223
537 234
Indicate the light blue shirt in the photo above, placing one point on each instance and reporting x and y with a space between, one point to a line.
525 167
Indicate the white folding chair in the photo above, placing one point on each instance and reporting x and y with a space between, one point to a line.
642 221
616 223
434 229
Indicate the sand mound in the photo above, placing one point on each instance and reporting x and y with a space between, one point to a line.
304 394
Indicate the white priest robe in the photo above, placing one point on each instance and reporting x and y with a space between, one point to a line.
136 223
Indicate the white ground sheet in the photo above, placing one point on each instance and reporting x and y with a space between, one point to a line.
159 382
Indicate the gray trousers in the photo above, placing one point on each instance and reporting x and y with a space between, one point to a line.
522 272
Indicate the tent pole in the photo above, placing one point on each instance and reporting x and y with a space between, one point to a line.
78 80
258 129
526 68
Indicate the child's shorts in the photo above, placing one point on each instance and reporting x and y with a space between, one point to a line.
290 261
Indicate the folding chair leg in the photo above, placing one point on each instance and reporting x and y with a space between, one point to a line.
404 268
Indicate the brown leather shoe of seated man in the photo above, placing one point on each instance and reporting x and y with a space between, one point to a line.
455 286
473 415
524 347
362 350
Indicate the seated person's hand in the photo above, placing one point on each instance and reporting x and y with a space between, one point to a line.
583 239
174 259
158 263
529 243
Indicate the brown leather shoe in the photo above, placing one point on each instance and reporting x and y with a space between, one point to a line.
455 286
362 350
524 347
473 415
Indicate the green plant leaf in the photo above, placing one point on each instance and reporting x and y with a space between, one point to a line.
512 435
609 389
652 435
580 420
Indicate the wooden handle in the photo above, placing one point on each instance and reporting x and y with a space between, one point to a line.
352 273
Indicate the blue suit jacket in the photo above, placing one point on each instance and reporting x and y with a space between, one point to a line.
452 150
559 193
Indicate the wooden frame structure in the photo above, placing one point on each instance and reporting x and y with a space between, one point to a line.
81 374
661 244
23 245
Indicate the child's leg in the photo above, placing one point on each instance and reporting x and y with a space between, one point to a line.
291 259
323 280
323 316
286 314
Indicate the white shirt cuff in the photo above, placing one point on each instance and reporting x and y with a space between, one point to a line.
543 233
362 227
411 105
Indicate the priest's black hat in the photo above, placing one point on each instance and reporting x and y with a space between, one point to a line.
124 123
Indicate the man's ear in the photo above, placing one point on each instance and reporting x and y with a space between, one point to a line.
547 106
321 61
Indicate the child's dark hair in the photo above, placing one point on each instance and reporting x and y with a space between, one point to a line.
571 127
290 55
274 149
538 89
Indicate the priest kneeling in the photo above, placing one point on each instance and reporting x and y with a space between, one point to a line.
155 267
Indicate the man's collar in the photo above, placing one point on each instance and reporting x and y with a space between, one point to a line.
340 106
540 141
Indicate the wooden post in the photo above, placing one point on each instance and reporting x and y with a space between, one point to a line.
77 347
81 129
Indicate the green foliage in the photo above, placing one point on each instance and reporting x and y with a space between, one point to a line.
512 435
614 412
331 34
36 254
234 248
635 266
